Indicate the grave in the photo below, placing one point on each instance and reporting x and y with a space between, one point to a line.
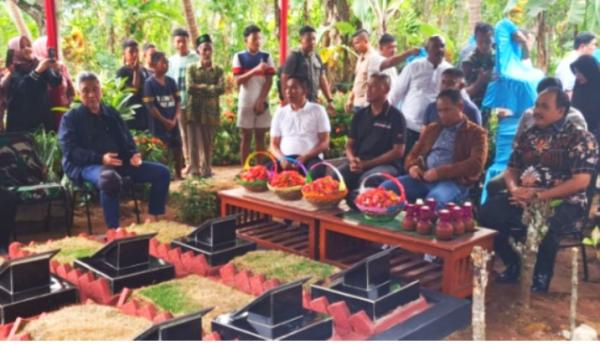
126 262
216 239
27 287
275 315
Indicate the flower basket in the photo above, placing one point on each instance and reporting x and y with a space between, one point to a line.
377 204
288 184
255 178
325 192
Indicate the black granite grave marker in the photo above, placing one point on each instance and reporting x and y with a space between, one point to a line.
277 314
216 239
126 262
27 288
187 327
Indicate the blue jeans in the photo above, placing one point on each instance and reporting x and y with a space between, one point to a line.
108 182
443 191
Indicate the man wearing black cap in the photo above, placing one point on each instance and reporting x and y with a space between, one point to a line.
205 83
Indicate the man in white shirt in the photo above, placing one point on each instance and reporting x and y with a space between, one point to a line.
386 61
418 85
300 129
585 44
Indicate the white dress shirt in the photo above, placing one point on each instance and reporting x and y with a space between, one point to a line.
416 87
375 67
564 73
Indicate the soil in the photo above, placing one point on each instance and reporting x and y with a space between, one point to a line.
547 317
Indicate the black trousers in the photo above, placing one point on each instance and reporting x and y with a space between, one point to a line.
499 214
8 211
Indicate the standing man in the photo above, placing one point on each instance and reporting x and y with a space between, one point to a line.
177 67
386 60
306 64
253 70
479 64
135 75
585 44
418 85
366 55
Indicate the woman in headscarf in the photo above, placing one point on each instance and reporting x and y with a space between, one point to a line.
586 93
28 104
61 95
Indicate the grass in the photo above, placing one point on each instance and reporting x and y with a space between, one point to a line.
193 293
167 231
285 267
71 248
86 322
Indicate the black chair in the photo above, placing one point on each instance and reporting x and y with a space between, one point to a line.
574 237
88 190
23 172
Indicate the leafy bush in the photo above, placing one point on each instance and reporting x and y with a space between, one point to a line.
47 148
340 127
227 139
194 202
151 148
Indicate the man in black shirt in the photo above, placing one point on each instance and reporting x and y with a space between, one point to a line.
98 148
135 75
376 140
307 64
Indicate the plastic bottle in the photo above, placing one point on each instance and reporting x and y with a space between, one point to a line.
424 225
444 229
409 223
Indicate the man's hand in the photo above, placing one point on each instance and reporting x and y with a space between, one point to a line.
484 76
412 51
110 159
285 164
136 160
416 172
44 65
356 165
260 106
170 124
330 109
261 67
430 175
522 196
348 106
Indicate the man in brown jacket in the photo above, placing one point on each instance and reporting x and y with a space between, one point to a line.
449 156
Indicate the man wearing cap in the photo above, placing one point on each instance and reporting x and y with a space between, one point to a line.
205 83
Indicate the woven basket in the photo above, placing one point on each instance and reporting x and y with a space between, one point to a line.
257 186
288 193
377 213
326 201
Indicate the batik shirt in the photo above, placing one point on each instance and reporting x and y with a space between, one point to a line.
546 157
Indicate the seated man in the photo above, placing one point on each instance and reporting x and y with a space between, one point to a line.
527 121
98 148
449 156
376 140
300 129
554 160
454 78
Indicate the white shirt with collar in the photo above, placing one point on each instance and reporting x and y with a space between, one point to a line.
416 87
299 129
375 67
564 72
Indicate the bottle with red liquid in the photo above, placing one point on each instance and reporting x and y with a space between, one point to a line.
450 206
444 229
409 222
467 211
424 225
457 220
431 203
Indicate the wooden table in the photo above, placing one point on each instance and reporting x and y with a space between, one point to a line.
341 240
290 226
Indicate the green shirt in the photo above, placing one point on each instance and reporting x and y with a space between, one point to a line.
204 86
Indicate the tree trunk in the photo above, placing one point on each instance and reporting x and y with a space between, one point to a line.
305 12
277 11
17 18
474 9
190 18
542 50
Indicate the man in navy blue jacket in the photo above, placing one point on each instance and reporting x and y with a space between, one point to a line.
98 148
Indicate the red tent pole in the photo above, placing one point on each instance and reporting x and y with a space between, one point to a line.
283 32
51 29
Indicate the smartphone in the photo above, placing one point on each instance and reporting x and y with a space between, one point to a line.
9 57
52 53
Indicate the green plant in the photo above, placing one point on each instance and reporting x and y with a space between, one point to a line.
594 241
47 148
194 202
151 148
227 139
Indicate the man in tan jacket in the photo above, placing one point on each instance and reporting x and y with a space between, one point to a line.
449 156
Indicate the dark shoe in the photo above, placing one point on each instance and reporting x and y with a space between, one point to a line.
541 283
510 275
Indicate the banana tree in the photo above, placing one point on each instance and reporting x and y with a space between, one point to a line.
379 10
